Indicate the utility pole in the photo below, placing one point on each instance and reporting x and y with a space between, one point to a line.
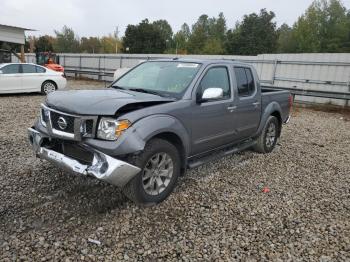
116 33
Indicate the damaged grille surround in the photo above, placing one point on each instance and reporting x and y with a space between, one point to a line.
68 126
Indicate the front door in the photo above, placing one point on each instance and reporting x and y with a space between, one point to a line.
212 120
10 79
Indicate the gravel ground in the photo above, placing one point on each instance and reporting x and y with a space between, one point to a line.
217 212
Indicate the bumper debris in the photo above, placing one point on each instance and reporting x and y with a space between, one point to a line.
103 167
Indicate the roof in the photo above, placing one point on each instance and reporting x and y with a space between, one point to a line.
19 63
202 61
13 34
16 27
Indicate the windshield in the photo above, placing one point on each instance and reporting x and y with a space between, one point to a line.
163 78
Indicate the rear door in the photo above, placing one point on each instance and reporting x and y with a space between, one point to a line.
212 120
10 79
248 102
31 78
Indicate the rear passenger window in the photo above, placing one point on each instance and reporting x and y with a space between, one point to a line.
217 77
10 69
40 69
28 69
245 81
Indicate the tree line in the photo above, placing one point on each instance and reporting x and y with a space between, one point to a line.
323 27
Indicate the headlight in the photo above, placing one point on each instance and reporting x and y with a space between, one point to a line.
111 129
44 116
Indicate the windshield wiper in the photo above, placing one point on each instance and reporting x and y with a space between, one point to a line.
118 87
145 91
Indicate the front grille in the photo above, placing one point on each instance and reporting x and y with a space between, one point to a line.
64 125
69 120
89 126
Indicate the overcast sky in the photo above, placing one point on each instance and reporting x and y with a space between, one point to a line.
98 18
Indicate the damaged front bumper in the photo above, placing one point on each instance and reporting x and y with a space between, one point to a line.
103 167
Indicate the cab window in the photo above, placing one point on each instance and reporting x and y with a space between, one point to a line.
216 77
245 81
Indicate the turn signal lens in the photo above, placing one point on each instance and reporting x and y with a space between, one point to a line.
121 127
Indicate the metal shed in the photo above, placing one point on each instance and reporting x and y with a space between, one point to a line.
14 34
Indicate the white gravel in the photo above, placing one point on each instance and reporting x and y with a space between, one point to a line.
217 212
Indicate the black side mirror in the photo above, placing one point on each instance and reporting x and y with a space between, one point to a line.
199 99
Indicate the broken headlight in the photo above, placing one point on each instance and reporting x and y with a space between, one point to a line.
111 129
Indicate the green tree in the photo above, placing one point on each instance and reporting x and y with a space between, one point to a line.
256 34
66 41
213 47
208 35
199 35
108 44
285 42
44 44
90 45
324 27
144 38
181 39
166 32
218 28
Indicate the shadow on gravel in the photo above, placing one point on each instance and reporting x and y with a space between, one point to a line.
18 95
67 197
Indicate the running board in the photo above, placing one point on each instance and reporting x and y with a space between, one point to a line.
198 161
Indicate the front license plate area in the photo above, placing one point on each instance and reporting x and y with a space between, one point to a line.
55 156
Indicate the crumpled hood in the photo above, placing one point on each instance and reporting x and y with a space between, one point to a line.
98 102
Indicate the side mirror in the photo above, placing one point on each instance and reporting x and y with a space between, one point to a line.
212 93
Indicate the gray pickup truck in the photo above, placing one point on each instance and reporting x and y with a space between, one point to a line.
156 121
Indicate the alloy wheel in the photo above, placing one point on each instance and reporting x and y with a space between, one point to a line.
270 135
49 87
157 173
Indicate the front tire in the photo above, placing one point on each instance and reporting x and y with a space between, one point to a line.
48 87
268 137
160 165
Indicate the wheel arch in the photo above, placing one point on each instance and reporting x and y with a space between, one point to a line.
49 80
272 109
174 139
277 114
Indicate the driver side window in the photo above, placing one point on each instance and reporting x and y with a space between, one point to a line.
216 77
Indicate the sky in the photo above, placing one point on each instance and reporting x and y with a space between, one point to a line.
98 18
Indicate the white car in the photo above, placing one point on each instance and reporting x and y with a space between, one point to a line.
27 78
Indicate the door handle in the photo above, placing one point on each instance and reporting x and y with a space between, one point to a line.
231 108
256 103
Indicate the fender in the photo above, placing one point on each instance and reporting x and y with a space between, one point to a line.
269 109
153 125
135 138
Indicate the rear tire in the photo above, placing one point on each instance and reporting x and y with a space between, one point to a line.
268 137
48 87
160 165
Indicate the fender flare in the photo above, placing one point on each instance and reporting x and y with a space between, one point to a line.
154 125
269 110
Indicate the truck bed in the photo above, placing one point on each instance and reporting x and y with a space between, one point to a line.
269 94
